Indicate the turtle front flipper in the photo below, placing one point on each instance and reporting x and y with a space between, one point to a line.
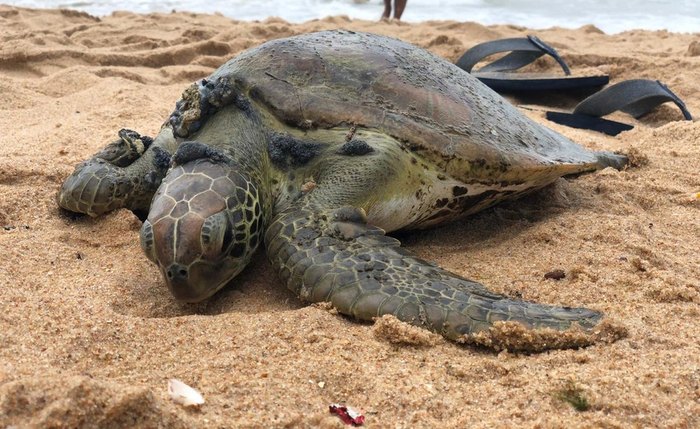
335 256
126 173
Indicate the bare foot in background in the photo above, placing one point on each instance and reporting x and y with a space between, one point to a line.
399 6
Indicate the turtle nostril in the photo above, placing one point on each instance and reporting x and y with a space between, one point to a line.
176 272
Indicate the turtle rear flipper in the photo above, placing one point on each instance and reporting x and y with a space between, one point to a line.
334 256
125 173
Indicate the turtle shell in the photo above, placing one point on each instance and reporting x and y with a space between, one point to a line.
343 78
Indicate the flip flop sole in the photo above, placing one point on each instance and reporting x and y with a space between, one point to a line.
585 122
508 82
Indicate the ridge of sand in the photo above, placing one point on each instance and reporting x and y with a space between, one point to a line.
88 335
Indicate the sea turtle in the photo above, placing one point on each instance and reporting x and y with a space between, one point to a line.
316 145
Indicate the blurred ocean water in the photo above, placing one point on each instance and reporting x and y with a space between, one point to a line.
611 16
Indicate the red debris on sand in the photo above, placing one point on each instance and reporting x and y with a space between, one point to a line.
347 414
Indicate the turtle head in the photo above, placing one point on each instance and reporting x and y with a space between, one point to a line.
203 226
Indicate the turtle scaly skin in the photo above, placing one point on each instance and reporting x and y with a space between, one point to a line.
334 256
123 174
250 156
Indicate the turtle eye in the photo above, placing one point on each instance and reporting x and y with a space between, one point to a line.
146 237
216 234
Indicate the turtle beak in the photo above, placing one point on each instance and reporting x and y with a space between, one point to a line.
178 281
193 284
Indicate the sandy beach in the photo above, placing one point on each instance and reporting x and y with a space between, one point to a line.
89 335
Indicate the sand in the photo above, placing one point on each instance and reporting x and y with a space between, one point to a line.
89 336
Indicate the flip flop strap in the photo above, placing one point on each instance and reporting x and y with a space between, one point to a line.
636 97
523 51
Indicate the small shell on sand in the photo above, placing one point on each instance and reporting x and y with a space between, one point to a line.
184 394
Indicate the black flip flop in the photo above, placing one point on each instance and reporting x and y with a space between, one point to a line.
499 75
636 97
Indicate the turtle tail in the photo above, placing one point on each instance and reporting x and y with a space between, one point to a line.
610 159
336 257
